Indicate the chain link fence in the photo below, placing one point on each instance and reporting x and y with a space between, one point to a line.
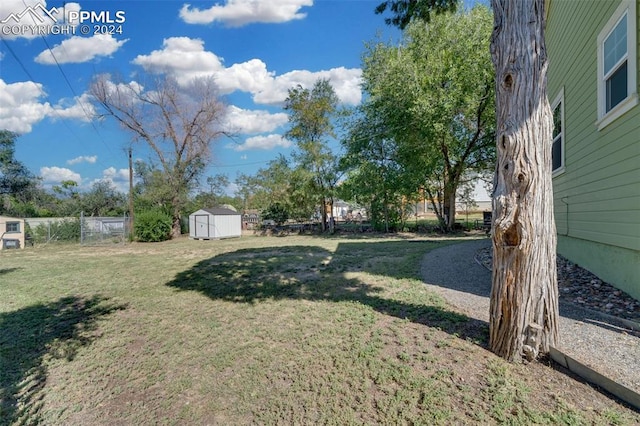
104 230
86 230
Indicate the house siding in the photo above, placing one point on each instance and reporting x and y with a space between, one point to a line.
597 198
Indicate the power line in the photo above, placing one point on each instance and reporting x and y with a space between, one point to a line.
33 80
66 79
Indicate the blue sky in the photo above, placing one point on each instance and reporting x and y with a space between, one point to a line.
254 50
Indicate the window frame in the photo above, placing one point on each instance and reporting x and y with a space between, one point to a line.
605 117
559 100
7 231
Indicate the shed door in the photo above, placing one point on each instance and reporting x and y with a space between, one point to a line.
202 225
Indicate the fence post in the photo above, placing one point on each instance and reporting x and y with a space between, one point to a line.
81 227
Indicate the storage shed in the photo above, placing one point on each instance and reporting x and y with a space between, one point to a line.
208 224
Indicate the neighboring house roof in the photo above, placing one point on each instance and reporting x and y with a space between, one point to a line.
13 219
220 211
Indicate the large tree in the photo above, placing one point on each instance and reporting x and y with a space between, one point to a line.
524 296
405 11
311 117
103 199
267 185
15 178
436 95
178 124
20 191
151 190
280 184
375 174
213 195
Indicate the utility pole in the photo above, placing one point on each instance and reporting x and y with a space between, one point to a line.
130 194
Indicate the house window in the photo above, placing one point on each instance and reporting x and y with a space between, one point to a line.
617 61
13 227
557 148
10 244
615 64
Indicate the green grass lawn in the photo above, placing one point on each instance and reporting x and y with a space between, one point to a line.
258 330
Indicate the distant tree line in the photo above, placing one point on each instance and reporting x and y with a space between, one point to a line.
427 125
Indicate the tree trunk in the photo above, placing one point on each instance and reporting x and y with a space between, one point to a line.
450 203
438 208
323 214
524 294
176 228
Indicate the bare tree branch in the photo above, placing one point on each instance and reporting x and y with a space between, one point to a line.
177 123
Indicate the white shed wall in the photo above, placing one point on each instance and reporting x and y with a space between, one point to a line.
227 226
205 225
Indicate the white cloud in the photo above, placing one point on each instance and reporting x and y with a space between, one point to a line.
80 108
80 49
182 57
131 88
345 82
20 107
185 59
118 178
240 120
91 159
263 142
55 175
116 175
251 76
236 13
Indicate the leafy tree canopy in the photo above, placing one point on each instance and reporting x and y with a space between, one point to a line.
405 11
15 178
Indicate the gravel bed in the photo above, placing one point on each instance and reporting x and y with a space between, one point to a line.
581 287
590 331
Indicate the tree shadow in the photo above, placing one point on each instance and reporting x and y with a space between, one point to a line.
32 335
311 273
4 271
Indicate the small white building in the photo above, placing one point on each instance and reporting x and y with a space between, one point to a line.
12 233
215 223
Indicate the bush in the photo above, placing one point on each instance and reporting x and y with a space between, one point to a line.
63 230
152 226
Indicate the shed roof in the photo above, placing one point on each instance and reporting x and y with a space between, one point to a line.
220 211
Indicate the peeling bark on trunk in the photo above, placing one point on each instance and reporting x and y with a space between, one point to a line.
524 294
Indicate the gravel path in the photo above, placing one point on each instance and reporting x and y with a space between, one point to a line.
596 340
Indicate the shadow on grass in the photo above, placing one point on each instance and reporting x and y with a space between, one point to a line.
4 271
29 337
312 273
